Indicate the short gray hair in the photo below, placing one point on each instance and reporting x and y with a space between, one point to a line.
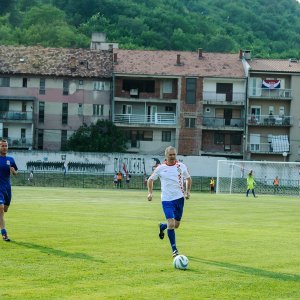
170 148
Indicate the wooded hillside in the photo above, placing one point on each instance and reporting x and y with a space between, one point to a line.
268 28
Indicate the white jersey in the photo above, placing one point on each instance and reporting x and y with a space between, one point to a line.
172 180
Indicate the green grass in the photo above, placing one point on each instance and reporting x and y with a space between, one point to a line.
103 244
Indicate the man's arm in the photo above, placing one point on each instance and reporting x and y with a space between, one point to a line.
188 185
13 171
150 188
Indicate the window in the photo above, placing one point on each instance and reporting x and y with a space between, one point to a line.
4 105
40 141
64 140
98 110
42 90
126 109
139 135
4 81
143 86
101 85
226 90
169 108
190 122
65 87
80 109
5 133
147 135
166 136
236 139
24 83
191 90
64 116
219 138
41 112
167 86
23 133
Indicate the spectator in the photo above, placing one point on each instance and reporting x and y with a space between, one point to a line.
212 185
128 177
116 180
30 178
276 184
119 177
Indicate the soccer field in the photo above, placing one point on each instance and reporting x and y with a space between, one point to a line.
103 244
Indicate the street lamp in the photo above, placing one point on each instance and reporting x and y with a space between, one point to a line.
284 154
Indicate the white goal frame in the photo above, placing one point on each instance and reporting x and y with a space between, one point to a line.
232 177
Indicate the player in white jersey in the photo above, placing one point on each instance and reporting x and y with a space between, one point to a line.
172 175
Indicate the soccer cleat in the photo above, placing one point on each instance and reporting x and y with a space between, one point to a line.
5 238
175 253
161 232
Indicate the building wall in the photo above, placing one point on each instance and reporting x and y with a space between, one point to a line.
189 139
295 112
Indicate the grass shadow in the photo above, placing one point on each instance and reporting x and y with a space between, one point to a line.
52 251
249 270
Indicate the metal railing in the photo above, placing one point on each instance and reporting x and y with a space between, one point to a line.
19 142
268 148
270 93
221 122
15 115
224 98
155 119
269 120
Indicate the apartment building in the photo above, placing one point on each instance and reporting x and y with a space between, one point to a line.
48 93
273 109
191 100
224 103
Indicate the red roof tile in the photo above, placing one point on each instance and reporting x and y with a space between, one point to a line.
274 65
165 63
55 61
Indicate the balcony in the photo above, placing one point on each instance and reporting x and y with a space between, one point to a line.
269 148
224 99
15 116
19 143
281 94
233 124
155 119
15 93
269 120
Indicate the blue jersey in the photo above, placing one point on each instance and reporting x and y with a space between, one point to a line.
5 163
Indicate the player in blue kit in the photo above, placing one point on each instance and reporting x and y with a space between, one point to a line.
173 193
7 167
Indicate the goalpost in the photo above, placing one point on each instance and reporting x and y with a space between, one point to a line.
232 177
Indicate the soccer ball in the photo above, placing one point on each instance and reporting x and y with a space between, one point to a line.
180 262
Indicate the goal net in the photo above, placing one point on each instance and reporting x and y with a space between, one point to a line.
232 177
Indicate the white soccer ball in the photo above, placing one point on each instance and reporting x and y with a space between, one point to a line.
180 262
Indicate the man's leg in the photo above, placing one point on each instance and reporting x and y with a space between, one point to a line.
3 208
162 228
171 235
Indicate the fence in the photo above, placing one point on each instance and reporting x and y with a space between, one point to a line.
99 180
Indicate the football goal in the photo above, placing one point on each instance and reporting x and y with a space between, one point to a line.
232 177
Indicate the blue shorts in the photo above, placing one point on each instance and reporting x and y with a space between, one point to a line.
173 209
5 196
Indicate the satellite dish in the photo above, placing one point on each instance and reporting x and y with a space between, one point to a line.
72 88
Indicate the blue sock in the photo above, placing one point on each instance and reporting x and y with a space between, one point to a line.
171 235
163 226
3 231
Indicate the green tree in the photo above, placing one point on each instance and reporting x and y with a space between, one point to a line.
102 136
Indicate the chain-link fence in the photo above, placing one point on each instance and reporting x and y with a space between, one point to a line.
99 180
